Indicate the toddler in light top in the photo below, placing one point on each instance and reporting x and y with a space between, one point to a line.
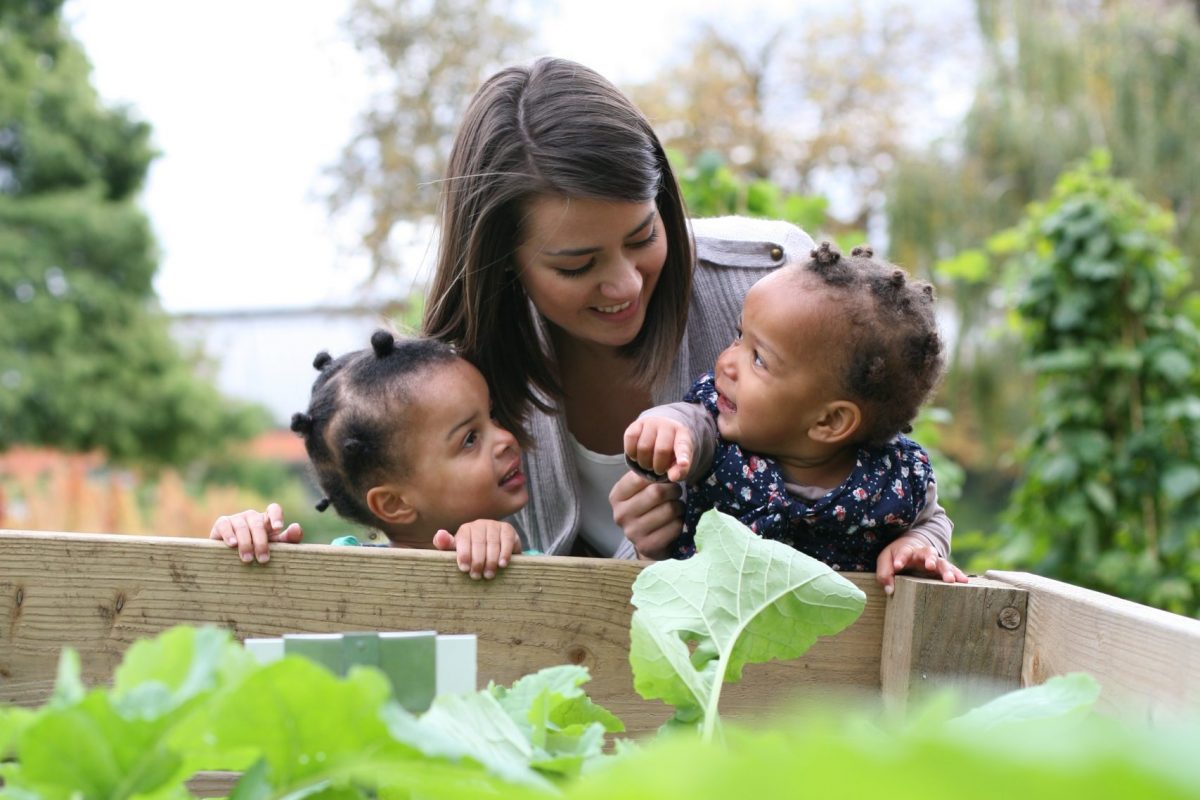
401 438
798 431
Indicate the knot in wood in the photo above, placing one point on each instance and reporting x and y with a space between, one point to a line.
577 654
1010 618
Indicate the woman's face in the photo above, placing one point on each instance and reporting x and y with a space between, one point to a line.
590 266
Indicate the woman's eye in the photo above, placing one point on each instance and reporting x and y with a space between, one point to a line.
649 240
577 272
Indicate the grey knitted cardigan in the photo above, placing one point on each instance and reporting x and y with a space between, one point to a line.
732 253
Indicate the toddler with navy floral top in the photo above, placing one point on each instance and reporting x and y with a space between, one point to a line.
798 432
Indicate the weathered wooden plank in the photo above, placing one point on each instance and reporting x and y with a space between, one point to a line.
1146 660
937 634
100 593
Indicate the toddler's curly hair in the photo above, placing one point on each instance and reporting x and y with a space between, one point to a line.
357 414
893 353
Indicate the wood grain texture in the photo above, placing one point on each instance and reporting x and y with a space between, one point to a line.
100 593
936 634
1146 660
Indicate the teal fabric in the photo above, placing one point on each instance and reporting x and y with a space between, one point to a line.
352 541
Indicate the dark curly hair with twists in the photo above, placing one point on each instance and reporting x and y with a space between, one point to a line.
359 406
893 356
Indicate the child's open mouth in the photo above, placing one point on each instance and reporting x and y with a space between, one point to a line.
724 406
514 478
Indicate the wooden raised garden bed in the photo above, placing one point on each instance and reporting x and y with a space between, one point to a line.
100 593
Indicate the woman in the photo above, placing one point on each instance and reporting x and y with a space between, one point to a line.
567 274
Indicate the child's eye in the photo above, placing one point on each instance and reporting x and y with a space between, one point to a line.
471 440
737 334
758 362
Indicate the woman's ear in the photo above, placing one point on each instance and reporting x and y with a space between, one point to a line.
390 504
838 423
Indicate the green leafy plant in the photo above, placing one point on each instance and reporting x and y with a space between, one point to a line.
740 600
193 699
1042 743
1110 492
711 189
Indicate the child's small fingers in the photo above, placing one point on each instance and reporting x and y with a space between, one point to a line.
683 451
222 529
885 568
245 542
293 534
632 435
275 516
260 535
478 551
645 447
462 548
492 563
952 574
664 450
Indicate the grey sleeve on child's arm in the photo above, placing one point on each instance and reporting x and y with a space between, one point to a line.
933 524
704 438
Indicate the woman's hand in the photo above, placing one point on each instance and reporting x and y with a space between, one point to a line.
651 514
251 530
914 554
483 546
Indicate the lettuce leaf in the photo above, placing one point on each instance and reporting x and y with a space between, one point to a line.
740 600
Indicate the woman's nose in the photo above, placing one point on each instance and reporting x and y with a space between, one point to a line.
623 282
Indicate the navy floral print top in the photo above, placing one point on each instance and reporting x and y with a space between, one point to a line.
846 528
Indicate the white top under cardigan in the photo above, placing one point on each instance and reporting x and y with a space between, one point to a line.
732 253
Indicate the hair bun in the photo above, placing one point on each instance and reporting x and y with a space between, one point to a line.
321 360
302 423
826 255
383 343
863 250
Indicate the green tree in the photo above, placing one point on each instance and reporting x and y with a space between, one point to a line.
426 59
1110 491
86 360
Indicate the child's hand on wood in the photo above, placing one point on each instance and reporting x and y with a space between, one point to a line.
913 553
251 530
483 546
662 446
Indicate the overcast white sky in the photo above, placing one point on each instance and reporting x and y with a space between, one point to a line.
249 99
